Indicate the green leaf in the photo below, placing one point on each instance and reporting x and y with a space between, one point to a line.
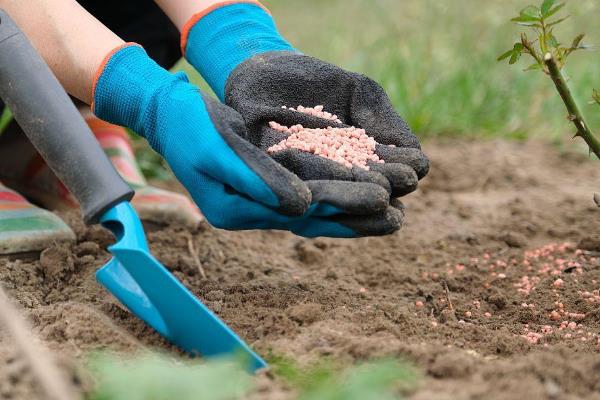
546 6
552 41
596 96
558 21
530 24
504 56
533 67
514 53
532 12
524 19
528 14
577 40
554 10
515 56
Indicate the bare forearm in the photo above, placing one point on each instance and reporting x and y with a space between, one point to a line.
70 40
180 11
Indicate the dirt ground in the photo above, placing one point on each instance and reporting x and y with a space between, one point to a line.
491 288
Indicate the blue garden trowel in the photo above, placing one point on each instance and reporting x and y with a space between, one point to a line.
53 124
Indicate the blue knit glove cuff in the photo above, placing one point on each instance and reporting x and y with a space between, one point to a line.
219 41
127 85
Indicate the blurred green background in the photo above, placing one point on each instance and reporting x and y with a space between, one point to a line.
437 60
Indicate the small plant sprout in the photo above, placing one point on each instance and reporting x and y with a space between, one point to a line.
160 377
550 56
596 96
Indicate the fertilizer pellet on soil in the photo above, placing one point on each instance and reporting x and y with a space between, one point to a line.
357 300
348 146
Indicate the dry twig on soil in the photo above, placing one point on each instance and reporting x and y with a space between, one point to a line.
195 257
450 306
43 369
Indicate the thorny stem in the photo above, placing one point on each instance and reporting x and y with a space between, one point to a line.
575 114
525 42
55 386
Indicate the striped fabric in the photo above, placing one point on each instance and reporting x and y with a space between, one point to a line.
115 143
151 203
25 227
35 180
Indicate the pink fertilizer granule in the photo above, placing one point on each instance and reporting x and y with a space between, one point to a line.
347 146
316 111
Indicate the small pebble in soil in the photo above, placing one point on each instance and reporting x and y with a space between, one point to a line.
349 146
554 316
558 283
447 315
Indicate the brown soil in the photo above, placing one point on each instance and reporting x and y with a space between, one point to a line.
489 215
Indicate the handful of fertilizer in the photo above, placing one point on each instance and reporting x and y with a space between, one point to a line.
349 146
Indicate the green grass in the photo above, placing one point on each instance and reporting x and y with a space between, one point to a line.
154 376
325 379
437 61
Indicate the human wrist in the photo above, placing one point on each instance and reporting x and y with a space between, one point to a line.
219 38
125 84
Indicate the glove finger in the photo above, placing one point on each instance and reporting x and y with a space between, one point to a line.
308 167
352 226
412 157
356 198
402 178
226 209
380 224
371 176
398 205
321 227
246 168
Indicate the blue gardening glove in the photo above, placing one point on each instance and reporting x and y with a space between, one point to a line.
235 184
238 50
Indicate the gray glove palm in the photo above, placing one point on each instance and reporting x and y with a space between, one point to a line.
260 86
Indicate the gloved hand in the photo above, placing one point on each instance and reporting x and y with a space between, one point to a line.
237 49
235 184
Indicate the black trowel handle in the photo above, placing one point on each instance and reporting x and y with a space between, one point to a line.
54 126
